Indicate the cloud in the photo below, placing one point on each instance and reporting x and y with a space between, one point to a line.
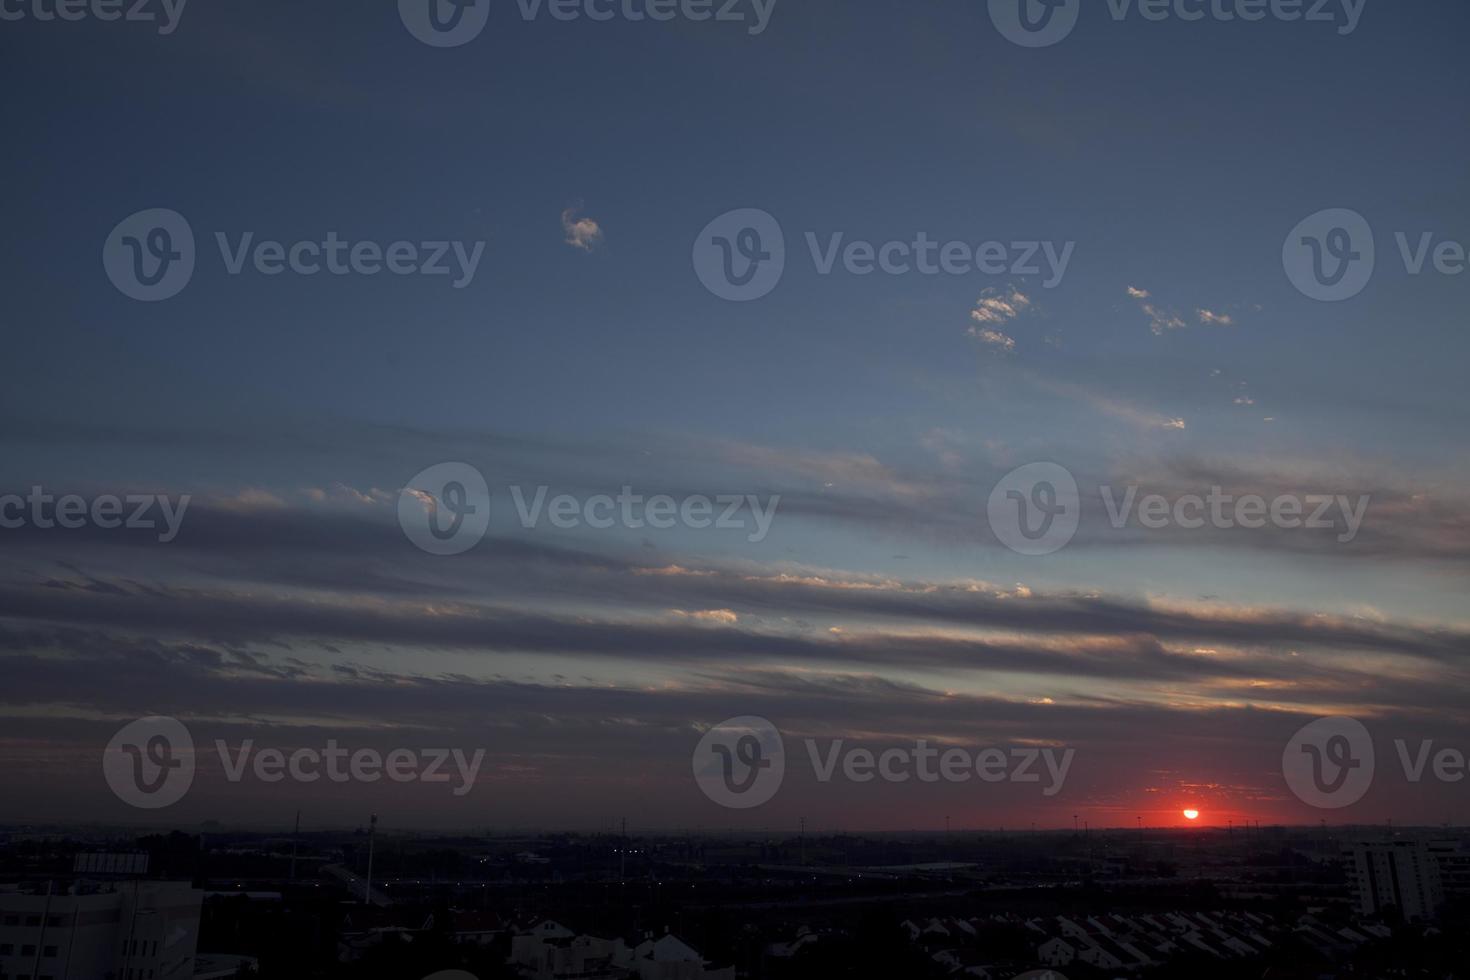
995 309
994 338
583 233
1160 320
724 617
1112 406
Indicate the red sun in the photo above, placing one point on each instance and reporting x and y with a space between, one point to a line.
1191 814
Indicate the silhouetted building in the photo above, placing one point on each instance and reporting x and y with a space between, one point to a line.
125 930
1398 874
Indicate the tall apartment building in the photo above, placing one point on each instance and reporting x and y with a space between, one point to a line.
1454 866
1402 874
121 930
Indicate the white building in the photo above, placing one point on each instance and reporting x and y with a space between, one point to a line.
1056 952
551 951
1401 874
125 930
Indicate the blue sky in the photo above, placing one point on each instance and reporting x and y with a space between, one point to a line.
1176 156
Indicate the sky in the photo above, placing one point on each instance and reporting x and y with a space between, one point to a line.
585 165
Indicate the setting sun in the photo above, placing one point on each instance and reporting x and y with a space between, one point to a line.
1191 814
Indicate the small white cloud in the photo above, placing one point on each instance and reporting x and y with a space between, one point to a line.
994 338
583 233
1160 320
993 309
996 307
724 617
1245 400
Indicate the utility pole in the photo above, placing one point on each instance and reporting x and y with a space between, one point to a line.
372 833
